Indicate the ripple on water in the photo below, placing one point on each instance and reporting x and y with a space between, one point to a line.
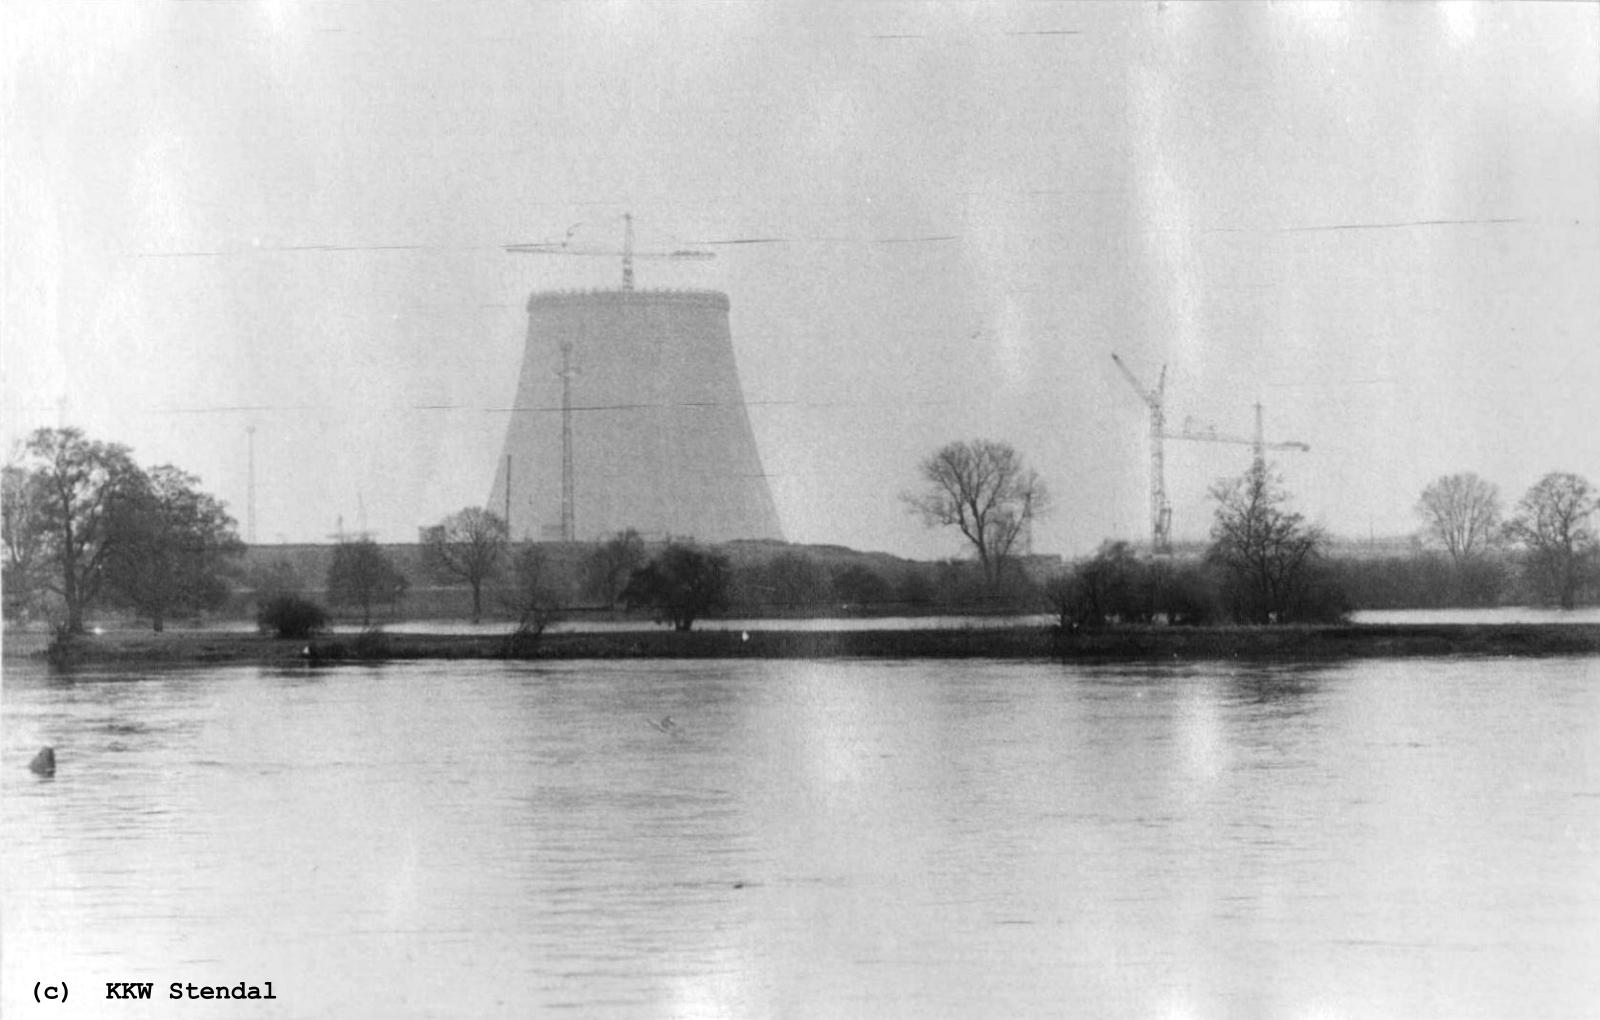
847 838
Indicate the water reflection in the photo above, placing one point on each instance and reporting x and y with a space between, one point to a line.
818 839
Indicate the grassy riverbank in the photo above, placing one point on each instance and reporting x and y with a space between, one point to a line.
193 648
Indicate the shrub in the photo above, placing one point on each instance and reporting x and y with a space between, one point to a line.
1186 594
681 584
290 616
861 587
372 643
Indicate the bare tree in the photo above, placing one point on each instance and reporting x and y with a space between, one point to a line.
529 596
362 574
1266 552
1462 513
469 546
1553 522
612 563
984 489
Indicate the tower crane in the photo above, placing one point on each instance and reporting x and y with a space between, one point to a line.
1160 509
627 252
1257 443
1155 400
565 247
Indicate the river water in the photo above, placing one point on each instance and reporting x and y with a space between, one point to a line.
1412 839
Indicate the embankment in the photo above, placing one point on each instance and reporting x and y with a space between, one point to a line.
195 648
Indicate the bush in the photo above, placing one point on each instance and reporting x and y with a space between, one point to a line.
1117 586
861 587
1320 598
1186 594
290 616
917 589
681 584
372 643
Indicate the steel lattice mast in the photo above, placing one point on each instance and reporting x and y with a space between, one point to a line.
1160 509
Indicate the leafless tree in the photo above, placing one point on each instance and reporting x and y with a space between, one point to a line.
1267 553
362 574
612 563
528 594
1462 513
984 489
1554 523
468 546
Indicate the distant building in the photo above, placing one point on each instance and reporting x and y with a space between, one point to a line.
629 414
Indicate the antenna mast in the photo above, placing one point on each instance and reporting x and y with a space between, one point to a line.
1260 448
568 513
627 251
250 497
508 496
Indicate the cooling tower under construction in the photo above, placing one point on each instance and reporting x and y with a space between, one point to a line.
629 414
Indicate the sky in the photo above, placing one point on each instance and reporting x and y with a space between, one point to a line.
1381 220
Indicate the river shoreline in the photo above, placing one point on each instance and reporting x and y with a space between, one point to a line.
1287 643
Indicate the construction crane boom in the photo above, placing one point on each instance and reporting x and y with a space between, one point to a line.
1258 443
1151 397
1213 436
627 252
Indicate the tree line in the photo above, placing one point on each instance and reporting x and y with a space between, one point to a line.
1265 562
85 526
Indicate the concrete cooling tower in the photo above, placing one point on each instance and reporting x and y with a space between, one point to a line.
629 414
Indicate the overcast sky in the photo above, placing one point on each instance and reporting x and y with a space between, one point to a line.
1381 220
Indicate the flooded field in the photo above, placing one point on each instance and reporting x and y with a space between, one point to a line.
802 839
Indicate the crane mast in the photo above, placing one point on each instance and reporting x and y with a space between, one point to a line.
1160 509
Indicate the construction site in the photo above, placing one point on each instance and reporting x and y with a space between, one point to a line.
1155 399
